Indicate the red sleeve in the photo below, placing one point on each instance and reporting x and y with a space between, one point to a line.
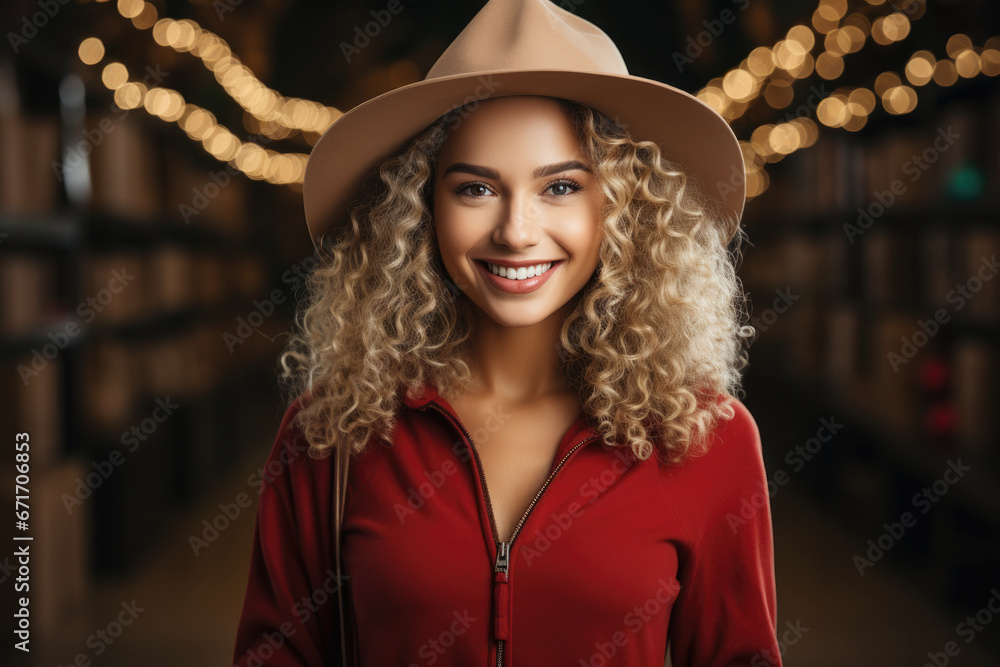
290 614
725 613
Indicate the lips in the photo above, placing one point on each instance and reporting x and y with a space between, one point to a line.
517 286
518 272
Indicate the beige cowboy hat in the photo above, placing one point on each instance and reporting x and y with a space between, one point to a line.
523 47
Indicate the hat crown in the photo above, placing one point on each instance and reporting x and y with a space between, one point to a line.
528 35
523 47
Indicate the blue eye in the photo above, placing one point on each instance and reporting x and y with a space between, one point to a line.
565 183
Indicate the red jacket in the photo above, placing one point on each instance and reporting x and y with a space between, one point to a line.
616 556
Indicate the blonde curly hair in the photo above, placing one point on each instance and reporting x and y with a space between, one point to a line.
652 344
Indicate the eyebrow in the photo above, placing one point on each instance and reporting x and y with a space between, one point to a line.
489 172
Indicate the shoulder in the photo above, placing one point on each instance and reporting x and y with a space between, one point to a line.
288 420
291 471
731 443
738 436
290 431
732 468
289 451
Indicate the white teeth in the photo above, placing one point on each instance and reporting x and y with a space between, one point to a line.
522 273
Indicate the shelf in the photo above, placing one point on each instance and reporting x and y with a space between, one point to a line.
979 488
35 340
60 230
164 323
958 323
66 229
107 229
157 325
946 216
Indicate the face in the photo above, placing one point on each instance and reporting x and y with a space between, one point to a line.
514 190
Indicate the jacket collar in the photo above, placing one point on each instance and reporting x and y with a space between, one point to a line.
418 400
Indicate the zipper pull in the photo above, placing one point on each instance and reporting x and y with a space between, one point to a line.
500 593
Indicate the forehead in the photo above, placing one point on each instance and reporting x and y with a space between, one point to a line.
516 125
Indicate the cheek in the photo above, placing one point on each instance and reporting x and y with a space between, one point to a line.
454 240
586 234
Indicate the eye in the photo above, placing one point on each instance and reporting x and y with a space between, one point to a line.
566 186
478 189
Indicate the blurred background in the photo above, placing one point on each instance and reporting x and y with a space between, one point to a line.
152 246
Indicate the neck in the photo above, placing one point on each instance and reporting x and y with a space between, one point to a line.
516 364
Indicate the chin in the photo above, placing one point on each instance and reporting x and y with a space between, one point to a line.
515 317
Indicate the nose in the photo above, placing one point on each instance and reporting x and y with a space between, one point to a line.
519 222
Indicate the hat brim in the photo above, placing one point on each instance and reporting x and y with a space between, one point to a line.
689 132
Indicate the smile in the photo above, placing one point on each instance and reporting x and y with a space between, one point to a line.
520 280
522 273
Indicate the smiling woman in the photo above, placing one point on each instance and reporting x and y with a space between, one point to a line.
533 303
536 205
526 181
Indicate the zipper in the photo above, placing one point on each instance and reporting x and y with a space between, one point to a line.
500 591
500 598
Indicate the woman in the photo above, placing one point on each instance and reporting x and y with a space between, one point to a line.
527 339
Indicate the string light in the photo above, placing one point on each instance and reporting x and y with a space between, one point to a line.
276 116
790 59
849 108
767 71
279 116
201 125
